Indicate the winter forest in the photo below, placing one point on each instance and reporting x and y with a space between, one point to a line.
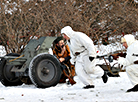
22 20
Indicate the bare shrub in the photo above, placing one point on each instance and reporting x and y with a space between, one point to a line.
20 21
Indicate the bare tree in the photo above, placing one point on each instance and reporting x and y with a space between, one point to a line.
21 20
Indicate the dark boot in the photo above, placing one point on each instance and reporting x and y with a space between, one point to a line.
104 77
134 89
88 86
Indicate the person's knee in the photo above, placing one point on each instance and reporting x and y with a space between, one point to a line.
78 69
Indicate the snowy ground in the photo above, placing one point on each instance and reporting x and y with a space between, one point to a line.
113 91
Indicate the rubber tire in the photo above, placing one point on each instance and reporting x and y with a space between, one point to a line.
6 78
40 79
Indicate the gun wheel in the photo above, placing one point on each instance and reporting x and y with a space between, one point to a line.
44 71
7 77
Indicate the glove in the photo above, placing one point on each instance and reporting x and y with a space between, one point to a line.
91 58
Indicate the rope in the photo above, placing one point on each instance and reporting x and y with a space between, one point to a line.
16 58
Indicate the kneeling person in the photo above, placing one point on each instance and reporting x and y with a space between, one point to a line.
131 59
62 52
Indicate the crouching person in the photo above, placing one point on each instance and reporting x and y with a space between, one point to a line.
130 61
62 52
83 55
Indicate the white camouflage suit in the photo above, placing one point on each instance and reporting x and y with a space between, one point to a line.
80 42
128 62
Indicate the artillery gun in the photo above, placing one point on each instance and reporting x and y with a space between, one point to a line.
34 65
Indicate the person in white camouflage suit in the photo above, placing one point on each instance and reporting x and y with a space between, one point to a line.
83 54
130 61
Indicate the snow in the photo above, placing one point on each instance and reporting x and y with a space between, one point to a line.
2 51
136 1
114 90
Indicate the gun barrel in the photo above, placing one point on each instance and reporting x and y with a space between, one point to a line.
102 56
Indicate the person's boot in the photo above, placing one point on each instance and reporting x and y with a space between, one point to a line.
88 86
104 77
134 89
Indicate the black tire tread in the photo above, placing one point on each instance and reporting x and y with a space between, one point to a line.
34 77
3 79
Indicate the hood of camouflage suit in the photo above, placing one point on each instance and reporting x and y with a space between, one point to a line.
129 39
68 31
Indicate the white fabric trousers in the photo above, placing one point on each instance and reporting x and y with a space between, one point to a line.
84 68
132 72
